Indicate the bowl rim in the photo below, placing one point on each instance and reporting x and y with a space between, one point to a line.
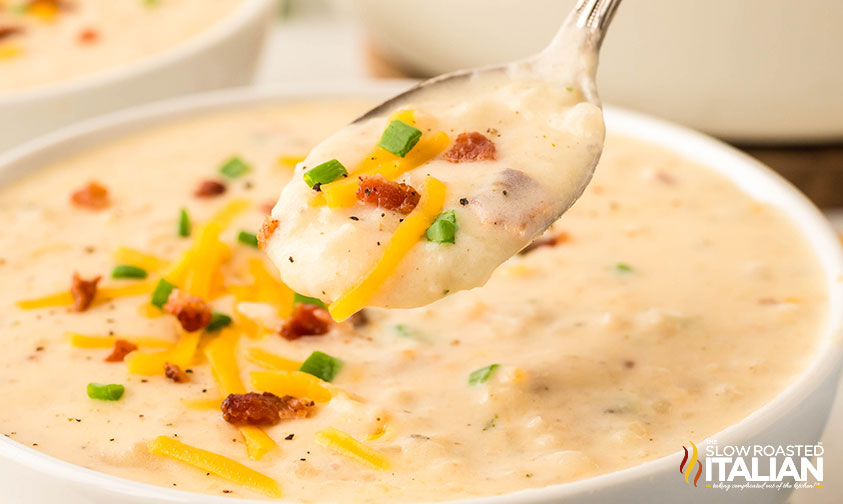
752 177
222 29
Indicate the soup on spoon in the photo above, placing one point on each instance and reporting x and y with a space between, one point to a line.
430 192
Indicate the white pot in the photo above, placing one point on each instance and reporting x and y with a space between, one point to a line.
225 55
797 415
747 70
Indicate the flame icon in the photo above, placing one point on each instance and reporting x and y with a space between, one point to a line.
689 468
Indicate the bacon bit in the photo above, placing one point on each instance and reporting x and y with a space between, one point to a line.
93 196
174 373
193 313
209 189
386 194
263 409
470 147
664 178
83 292
548 241
265 233
89 36
122 348
306 320
8 31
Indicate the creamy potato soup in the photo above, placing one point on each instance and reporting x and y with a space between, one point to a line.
477 169
662 307
48 41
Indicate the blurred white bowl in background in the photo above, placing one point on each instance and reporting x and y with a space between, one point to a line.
224 55
757 71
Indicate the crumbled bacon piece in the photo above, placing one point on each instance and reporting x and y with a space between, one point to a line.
386 194
93 196
306 320
469 147
546 241
83 292
8 31
265 232
89 36
175 373
193 313
209 188
263 409
122 348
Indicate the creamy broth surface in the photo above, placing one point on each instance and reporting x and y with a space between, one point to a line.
672 306
547 140
47 44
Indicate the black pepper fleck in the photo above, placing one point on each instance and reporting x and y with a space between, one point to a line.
463 201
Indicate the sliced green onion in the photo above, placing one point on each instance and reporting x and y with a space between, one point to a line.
325 173
302 299
322 366
161 293
111 392
623 268
235 167
444 228
184 223
482 375
399 138
128 271
402 331
248 238
218 321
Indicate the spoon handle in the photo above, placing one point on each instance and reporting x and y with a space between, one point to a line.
594 16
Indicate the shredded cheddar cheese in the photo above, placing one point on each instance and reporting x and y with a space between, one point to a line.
294 383
89 341
290 161
211 462
103 294
149 262
343 444
405 238
270 360
202 404
221 355
152 363
10 51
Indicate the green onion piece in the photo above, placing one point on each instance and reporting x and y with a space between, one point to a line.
325 173
482 375
235 167
151 3
402 331
112 392
399 138
302 299
623 268
161 293
322 366
444 228
127 271
184 223
218 321
248 238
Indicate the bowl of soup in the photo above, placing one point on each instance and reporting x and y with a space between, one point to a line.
63 61
690 296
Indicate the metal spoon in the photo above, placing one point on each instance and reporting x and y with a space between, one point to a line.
570 58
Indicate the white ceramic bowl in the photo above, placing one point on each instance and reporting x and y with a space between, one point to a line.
795 416
747 70
224 55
